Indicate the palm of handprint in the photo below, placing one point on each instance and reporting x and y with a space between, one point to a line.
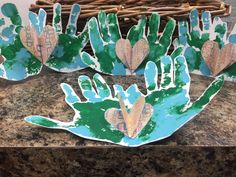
193 39
170 101
105 32
19 63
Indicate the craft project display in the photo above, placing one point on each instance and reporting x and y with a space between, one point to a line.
198 43
131 118
25 49
114 55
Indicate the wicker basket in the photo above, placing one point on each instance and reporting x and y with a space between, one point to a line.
134 8
129 11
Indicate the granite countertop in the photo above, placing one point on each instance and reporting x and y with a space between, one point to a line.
41 95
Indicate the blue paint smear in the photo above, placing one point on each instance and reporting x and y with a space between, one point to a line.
232 39
150 73
18 70
182 32
194 17
204 68
119 69
206 17
8 35
139 71
81 131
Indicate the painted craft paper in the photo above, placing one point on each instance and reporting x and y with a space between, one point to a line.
130 123
193 38
41 46
218 59
105 35
25 49
164 109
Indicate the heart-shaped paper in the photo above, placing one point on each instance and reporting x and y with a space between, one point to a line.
218 59
132 57
132 123
41 46
1 59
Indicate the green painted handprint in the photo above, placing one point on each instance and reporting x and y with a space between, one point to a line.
18 63
170 102
193 38
66 56
105 32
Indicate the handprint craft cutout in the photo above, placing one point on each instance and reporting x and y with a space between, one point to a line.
63 50
170 103
104 35
193 37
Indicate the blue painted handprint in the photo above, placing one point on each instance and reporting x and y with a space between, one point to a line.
19 63
104 32
66 56
169 99
193 38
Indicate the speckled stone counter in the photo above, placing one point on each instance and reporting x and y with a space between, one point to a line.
206 146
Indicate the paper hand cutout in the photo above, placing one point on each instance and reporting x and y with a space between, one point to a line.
194 37
105 32
19 63
170 102
130 123
218 59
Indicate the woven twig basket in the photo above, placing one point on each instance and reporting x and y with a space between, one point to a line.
129 11
134 8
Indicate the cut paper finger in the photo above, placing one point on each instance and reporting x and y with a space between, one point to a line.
218 59
40 45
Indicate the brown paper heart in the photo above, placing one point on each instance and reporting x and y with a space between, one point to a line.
218 59
132 123
41 46
132 57
1 59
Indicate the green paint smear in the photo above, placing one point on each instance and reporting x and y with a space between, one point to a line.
32 65
148 129
44 122
92 116
215 87
71 47
86 85
231 71
102 88
107 58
